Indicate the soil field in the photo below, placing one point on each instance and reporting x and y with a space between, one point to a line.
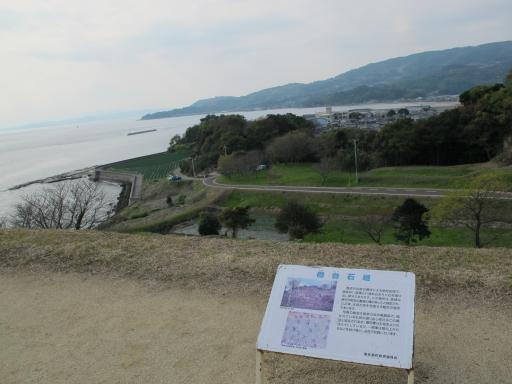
72 328
92 307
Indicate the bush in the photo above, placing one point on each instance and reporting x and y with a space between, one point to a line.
409 223
208 224
180 200
297 220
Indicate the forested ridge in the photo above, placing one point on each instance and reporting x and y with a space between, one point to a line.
477 131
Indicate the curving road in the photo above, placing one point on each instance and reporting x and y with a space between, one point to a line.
419 192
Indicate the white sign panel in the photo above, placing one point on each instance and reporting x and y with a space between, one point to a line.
353 315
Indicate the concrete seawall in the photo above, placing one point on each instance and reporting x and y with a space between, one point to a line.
134 179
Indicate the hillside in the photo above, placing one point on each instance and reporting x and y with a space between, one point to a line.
426 74
92 306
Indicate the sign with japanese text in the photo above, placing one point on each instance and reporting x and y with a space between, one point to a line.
353 315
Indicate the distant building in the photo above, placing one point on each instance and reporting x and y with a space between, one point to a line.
370 118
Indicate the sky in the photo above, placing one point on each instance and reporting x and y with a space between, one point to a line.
71 58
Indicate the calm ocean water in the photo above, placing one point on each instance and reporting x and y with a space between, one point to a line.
31 154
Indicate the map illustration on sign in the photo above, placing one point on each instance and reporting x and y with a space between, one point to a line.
353 315
309 294
308 330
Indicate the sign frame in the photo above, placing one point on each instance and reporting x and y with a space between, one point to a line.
261 351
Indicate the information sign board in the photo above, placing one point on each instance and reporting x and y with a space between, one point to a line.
353 315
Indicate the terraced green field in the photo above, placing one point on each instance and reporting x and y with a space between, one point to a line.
406 177
152 167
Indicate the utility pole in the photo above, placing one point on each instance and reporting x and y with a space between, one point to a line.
193 168
355 160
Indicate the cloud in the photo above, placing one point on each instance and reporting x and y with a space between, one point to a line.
169 37
68 57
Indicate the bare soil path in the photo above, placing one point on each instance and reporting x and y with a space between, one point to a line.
80 328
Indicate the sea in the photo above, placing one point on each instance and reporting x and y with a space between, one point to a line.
28 154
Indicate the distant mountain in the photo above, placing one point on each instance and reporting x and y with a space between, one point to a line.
425 75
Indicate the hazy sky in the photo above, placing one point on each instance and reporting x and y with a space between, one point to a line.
64 58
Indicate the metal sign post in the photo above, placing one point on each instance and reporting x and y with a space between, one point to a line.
259 366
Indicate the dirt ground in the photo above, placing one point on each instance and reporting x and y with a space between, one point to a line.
80 328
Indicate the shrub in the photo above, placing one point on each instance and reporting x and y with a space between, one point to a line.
208 224
297 220
180 200
409 222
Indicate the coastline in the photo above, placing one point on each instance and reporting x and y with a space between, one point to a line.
71 175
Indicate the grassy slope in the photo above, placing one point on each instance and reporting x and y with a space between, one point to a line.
247 267
415 177
153 214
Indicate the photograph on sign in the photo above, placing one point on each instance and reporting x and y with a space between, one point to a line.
309 294
353 315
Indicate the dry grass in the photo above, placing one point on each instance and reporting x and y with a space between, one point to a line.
69 328
224 265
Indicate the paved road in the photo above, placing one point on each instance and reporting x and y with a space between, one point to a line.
419 192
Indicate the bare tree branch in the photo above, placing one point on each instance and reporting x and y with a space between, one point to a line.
80 204
374 225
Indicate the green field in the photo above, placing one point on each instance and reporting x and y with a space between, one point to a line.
349 231
152 167
405 177
321 203
340 215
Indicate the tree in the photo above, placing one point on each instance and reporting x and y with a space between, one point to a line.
355 115
239 163
297 220
409 222
374 225
508 79
403 112
475 206
216 135
75 205
175 140
235 219
208 224
391 113
326 166
293 147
